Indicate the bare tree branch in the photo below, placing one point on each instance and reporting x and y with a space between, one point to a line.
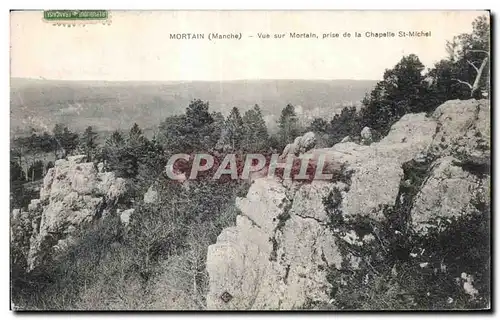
483 51
475 86
463 82
472 64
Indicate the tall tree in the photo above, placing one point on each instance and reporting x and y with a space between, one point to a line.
119 157
347 123
135 134
255 136
402 90
465 73
65 141
288 124
88 143
190 132
234 129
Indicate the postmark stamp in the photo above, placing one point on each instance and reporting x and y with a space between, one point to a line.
76 17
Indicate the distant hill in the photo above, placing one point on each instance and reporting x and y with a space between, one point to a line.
117 105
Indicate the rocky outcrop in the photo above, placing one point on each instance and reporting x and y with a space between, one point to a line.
286 239
277 254
73 194
300 145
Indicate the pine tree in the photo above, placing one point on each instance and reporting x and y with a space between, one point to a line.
88 143
119 156
288 125
135 134
234 129
255 136
401 91
64 141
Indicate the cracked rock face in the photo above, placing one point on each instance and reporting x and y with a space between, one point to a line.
278 254
73 193
272 259
450 191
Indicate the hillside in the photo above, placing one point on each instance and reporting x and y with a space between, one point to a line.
114 105
404 224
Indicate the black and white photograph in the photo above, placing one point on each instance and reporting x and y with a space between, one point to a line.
186 160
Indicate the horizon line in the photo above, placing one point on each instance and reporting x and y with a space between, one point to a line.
192 80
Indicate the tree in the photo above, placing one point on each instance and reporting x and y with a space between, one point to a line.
402 90
65 141
119 157
474 53
288 125
318 125
189 133
347 123
88 143
233 129
465 72
16 172
36 170
17 179
151 164
135 136
172 134
255 136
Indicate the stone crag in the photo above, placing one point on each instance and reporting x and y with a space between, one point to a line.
278 254
74 193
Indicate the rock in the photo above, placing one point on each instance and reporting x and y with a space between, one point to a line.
73 194
125 216
366 135
100 167
151 196
273 258
468 284
307 142
78 159
264 203
301 145
449 191
346 139
309 197
284 239
464 128
34 205
16 213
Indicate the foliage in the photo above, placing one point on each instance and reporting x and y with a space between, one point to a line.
288 125
88 143
453 77
195 131
119 156
36 171
255 136
401 91
65 140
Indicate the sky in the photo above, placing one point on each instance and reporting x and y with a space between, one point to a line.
136 45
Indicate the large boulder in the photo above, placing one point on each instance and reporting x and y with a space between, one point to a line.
464 128
301 145
449 191
366 135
